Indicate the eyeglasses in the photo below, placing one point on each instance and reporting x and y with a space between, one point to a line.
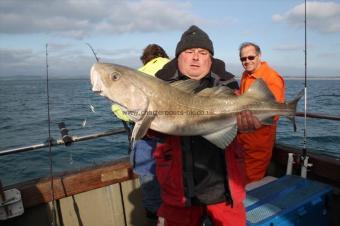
248 57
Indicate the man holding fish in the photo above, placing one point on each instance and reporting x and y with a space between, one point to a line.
198 178
199 163
258 144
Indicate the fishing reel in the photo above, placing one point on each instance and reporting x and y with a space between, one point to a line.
67 139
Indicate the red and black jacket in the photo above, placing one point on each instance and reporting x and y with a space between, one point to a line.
191 170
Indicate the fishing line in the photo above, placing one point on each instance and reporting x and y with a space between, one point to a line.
304 158
49 143
94 53
91 107
125 124
304 150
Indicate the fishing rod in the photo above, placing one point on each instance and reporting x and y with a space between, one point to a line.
94 53
54 215
304 150
66 139
304 158
125 124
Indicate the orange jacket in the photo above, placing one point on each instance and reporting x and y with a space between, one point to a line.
258 145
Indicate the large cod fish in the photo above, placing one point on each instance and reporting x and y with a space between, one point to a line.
176 109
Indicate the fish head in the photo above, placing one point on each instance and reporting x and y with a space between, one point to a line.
120 85
103 77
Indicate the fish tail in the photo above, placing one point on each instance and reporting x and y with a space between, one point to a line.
292 105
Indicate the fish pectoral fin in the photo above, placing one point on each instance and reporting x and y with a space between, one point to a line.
187 86
223 137
260 91
141 127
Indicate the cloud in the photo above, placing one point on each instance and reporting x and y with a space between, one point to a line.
70 62
323 17
79 19
20 61
328 55
118 53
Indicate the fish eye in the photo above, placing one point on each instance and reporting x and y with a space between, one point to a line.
115 76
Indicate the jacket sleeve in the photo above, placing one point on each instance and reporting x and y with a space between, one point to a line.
277 86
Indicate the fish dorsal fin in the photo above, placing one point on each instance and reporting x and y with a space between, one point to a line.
260 91
217 91
188 85
222 138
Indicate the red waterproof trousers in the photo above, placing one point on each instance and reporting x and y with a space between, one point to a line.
258 144
173 209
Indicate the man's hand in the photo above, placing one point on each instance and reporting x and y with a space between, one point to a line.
247 122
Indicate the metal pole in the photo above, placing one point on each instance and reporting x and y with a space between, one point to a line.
319 116
60 141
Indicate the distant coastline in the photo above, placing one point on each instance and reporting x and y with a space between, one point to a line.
308 78
313 78
53 77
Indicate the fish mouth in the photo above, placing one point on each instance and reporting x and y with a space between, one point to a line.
98 92
96 81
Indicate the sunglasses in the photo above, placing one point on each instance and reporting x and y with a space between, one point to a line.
248 57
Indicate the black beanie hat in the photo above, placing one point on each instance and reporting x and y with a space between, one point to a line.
194 37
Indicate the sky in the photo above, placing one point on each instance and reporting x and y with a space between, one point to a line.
119 30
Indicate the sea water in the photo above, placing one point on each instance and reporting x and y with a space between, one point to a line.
24 113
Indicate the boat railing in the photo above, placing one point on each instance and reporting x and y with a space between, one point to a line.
318 116
67 140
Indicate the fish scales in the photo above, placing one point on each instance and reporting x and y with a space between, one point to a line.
176 109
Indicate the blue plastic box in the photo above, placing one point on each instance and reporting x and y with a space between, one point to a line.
290 200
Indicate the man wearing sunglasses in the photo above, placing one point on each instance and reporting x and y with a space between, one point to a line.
258 144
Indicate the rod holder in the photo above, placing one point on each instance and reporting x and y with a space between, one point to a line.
290 163
304 167
64 134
